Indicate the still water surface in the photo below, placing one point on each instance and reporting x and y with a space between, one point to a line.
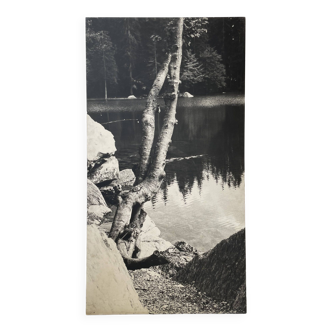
201 200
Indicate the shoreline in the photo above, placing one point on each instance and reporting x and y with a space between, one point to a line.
156 289
224 94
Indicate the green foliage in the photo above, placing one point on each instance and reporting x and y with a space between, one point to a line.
153 64
100 61
214 70
131 39
194 28
192 71
133 49
155 38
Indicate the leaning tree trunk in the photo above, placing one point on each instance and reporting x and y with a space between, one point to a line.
148 120
126 226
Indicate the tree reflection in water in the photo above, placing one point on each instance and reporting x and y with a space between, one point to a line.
204 128
218 134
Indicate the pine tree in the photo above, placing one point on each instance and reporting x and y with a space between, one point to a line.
153 63
192 71
131 42
100 62
214 70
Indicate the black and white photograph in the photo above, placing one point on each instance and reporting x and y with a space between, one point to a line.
165 165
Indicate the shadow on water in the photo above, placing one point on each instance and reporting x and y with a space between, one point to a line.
207 129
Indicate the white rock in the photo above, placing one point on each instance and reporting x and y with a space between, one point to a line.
100 140
106 227
187 95
109 288
109 170
94 196
151 243
126 177
96 214
149 229
132 97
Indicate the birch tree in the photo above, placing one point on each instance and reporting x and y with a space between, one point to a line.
129 217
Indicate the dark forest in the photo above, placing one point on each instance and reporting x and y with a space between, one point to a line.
124 55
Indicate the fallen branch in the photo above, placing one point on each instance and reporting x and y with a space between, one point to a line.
120 121
184 158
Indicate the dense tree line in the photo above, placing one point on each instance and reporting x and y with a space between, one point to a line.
124 55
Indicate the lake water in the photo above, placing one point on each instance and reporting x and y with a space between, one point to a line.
201 200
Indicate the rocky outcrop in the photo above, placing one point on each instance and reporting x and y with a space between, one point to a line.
102 165
126 179
150 244
150 240
106 170
112 189
149 228
109 288
221 272
185 247
94 196
100 140
98 212
178 256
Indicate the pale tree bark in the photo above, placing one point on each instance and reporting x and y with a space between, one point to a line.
128 219
148 120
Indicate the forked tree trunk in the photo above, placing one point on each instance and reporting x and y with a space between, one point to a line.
151 168
148 120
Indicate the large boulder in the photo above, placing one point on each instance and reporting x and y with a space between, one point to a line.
132 97
126 178
221 272
123 183
100 141
151 243
149 228
105 171
150 240
109 288
178 256
106 227
94 196
102 165
187 95
98 212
